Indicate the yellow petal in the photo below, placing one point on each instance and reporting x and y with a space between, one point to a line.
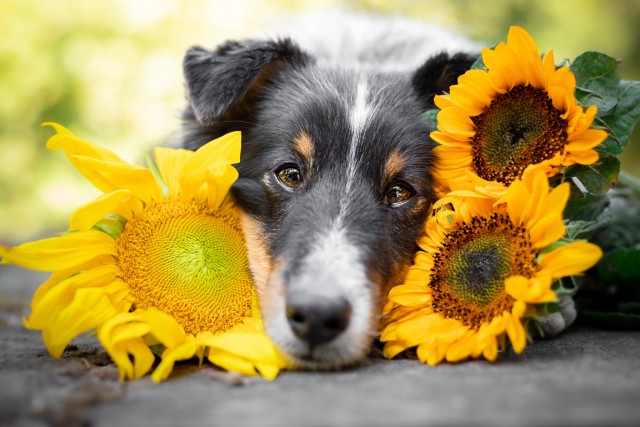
571 259
521 41
442 101
413 295
232 363
431 354
585 157
170 162
49 306
255 347
416 329
59 253
143 357
589 138
112 176
516 286
212 161
89 309
218 186
74 146
164 328
186 350
517 197
393 348
546 231
462 348
517 334
88 215
454 121
121 336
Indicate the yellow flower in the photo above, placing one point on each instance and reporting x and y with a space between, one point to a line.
158 259
481 271
521 111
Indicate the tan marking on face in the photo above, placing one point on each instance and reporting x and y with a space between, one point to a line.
394 165
303 144
260 262
262 266
419 206
397 279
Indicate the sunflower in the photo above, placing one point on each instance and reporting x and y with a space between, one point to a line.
156 262
522 110
484 266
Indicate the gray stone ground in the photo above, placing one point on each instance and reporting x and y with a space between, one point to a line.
585 377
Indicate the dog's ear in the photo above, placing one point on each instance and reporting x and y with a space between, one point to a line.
441 71
219 80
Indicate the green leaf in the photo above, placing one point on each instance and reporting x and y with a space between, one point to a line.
622 268
621 121
576 229
619 224
478 64
601 176
594 179
430 117
588 208
612 145
596 81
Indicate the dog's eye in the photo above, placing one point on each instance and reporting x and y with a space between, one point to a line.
290 176
398 194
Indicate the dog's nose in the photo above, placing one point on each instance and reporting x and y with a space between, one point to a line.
318 323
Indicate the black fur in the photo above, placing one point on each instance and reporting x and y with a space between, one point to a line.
219 83
439 73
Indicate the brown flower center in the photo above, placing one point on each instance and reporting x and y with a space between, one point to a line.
519 128
470 270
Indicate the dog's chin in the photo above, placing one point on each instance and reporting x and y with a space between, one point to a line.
348 350
325 358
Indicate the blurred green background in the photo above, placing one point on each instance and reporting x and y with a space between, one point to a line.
110 70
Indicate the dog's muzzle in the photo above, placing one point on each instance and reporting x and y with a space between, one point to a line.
323 317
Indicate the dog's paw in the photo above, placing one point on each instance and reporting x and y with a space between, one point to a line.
554 323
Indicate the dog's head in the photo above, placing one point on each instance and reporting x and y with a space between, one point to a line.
335 183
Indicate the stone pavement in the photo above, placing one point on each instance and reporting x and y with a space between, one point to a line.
585 377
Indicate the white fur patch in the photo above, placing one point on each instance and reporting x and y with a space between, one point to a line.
335 257
360 113
363 41
331 271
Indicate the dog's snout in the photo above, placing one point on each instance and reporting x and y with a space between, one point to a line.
318 323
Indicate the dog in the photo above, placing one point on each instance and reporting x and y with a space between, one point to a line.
335 172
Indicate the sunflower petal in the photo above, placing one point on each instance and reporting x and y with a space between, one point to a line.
60 253
244 352
164 328
517 334
121 336
89 309
87 216
74 146
184 351
110 176
393 348
49 306
571 259
170 162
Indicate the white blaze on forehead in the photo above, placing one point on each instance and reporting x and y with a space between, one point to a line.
360 112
